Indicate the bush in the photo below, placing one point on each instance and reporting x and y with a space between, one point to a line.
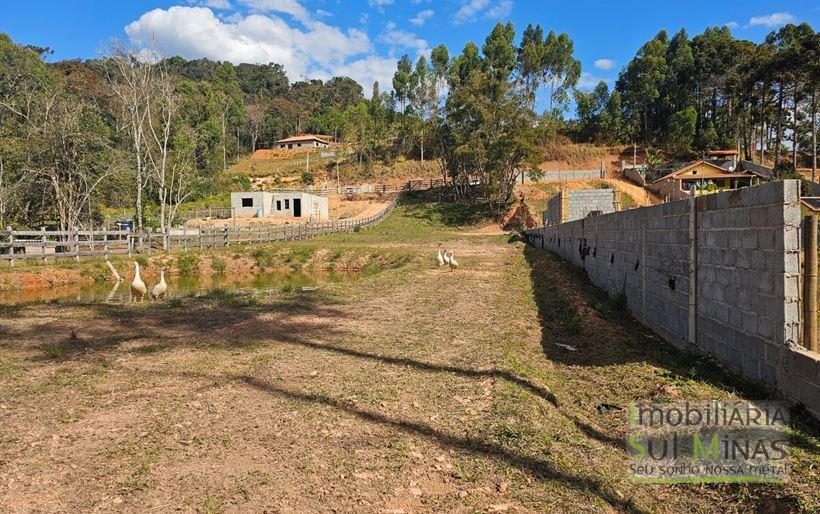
264 257
141 260
307 178
188 263
218 264
286 288
785 170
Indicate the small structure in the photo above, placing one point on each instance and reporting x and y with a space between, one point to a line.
576 204
304 141
299 204
249 204
709 177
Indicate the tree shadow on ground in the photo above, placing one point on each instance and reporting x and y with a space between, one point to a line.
233 322
574 311
537 468
430 206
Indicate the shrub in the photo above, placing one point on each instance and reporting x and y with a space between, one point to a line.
142 260
264 257
218 264
188 263
286 288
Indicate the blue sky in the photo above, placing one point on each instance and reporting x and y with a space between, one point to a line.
364 38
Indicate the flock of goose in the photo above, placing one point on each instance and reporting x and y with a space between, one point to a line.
139 289
446 258
158 292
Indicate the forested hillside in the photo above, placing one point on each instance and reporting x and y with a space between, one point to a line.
685 95
135 130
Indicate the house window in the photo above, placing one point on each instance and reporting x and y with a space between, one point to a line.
247 202
278 205
287 204
299 145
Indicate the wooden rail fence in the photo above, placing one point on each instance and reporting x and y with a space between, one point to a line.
53 244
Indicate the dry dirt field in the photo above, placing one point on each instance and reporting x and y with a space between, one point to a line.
412 389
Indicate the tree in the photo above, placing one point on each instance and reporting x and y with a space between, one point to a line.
440 61
489 129
401 81
422 97
641 82
682 126
559 67
591 108
131 80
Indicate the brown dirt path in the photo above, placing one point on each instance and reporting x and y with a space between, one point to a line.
413 390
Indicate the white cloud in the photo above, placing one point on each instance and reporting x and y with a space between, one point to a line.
292 7
213 4
774 19
470 10
323 14
369 69
422 17
604 64
587 81
318 50
500 10
731 24
379 3
397 37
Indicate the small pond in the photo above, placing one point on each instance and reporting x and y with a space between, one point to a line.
179 286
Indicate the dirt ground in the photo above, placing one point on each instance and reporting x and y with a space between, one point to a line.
416 389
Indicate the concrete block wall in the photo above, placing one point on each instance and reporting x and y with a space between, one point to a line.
584 201
746 311
576 204
572 175
634 175
552 216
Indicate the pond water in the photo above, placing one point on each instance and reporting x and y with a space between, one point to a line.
179 286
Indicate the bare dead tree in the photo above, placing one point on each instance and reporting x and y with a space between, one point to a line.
161 107
132 84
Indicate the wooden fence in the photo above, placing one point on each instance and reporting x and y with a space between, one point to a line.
53 244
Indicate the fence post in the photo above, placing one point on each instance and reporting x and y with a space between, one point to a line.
149 242
11 247
105 244
810 285
199 230
226 237
43 244
76 245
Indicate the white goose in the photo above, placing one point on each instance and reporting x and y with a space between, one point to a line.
453 262
138 288
159 290
440 257
446 257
